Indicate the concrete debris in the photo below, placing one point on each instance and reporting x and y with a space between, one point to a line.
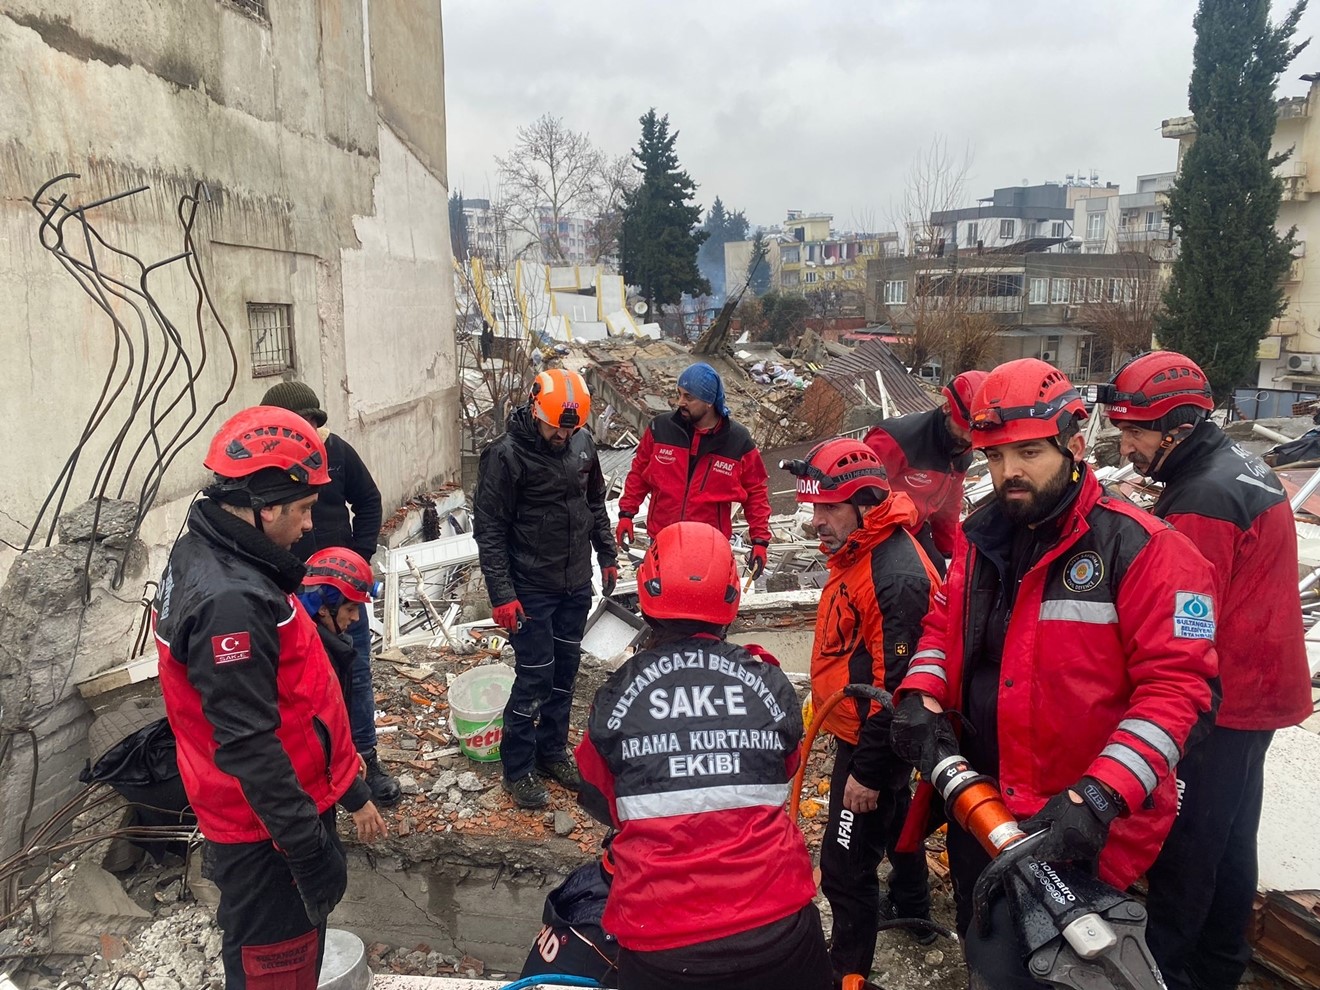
95 905
563 823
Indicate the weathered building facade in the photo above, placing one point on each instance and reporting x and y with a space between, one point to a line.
318 130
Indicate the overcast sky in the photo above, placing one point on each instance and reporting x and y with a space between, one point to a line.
823 106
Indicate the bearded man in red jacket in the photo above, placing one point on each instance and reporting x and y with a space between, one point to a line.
1075 635
695 463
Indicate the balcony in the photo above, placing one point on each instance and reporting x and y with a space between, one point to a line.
974 304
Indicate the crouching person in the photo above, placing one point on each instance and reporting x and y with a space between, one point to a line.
689 750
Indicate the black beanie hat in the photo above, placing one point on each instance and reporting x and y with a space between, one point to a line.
296 397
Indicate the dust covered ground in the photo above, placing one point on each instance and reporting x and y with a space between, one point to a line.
163 932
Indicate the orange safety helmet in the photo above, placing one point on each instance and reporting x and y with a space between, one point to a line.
1153 384
960 392
689 573
560 398
342 569
265 455
840 470
1026 399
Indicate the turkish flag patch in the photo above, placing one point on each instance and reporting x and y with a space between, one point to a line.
231 647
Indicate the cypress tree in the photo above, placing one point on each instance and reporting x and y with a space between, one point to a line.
1225 286
660 240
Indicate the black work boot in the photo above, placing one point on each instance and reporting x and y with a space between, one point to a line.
528 791
918 933
563 772
384 788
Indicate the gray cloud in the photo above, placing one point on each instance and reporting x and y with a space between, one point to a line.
790 106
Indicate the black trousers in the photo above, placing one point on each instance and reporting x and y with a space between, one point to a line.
547 651
850 853
994 960
785 955
268 942
1203 883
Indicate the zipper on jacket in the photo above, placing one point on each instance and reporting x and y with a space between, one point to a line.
323 734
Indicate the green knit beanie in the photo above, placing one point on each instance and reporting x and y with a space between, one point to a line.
296 397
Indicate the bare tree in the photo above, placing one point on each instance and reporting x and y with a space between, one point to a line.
616 177
550 175
945 306
1120 306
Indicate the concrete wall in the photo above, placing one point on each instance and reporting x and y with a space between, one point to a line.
319 134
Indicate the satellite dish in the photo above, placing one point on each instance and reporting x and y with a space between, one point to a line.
639 307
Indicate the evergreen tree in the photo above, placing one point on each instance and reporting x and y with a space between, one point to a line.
660 239
758 268
458 228
1225 286
722 227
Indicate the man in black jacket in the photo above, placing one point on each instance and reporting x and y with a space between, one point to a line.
351 487
539 509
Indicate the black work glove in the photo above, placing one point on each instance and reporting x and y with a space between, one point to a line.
322 878
920 736
1078 830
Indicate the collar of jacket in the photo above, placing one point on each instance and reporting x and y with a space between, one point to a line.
941 440
898 510
522 427
992 533
692 431
1190 451
225 530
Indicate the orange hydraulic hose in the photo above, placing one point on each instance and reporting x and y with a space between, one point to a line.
817 720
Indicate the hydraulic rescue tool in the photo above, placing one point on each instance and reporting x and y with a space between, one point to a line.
1076 930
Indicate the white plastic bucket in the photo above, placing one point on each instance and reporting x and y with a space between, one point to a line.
476 709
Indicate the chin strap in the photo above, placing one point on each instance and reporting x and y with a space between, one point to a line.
1167 442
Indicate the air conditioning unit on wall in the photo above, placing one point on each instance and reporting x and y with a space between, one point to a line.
1048 356
1301 363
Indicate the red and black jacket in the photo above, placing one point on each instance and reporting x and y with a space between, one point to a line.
1103 667
263 737
1229 503
689 751
697 475
917 452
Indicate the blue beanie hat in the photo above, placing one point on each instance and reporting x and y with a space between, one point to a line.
703 381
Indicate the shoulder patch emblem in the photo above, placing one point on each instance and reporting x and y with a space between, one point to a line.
1193 615
901 649
1084 572
231 648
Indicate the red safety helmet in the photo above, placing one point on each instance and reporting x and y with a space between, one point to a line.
1153 384
268 437
840 470
561 399
1025 399
960 392
688 573
341 569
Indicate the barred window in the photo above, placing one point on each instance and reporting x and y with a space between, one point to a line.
270 331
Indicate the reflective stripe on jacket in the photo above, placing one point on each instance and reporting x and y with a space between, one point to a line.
689 750
1106 666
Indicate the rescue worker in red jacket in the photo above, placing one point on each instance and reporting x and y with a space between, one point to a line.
880 586
1231 506
264 745
1075 635
695 463
927 456
689 750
